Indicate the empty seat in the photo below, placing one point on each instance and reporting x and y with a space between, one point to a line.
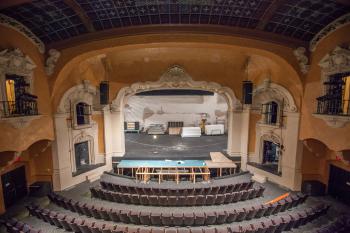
125 198
144 200
181 201
189 219
135 199
153 200
95 213
191 200
214 190
200 200
260 211
134 217
156 219
222 189
178 219
210 218
241 214
219 199
231 216
228 198
210 200
114 215
221 217
199 219
172 200
166 219
245 195
163 200
268 209
124 216
145 218
237 196
209 230
260 191
251 212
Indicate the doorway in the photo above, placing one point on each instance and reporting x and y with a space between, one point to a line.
339 184
81 155
14 186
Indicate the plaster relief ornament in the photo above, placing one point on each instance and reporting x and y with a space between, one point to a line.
303 60
51 61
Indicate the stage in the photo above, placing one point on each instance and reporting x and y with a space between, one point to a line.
143 146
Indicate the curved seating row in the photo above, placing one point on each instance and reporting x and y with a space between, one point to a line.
341 225
276 224
14 226
195 218
188 200
210 190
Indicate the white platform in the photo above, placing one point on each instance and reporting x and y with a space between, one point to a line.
214 129
191 132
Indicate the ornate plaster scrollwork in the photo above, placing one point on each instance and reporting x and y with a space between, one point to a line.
84 92
175 77
336 24
269 91
336 61
14 24
302 59
51 61
15 62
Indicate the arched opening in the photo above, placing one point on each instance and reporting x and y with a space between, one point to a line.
175 124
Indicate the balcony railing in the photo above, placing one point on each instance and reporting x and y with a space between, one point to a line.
331 106
19 108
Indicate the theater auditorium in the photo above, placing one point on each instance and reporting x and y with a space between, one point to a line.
175 116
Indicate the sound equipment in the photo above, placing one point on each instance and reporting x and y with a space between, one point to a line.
104 92
313 188
247 92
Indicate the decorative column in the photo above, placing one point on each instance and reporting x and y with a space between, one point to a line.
117 131
245 136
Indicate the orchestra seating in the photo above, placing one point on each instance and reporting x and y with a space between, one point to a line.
241 208
192 197
196 218
277 223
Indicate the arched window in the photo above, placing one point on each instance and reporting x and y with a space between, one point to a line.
83 112
270 113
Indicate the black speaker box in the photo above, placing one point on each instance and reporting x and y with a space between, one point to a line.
104 92
247 92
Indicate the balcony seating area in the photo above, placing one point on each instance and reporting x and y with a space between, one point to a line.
190 197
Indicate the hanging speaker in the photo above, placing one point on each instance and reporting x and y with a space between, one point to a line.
104 92
247 92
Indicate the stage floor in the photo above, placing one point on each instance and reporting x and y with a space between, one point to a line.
143 146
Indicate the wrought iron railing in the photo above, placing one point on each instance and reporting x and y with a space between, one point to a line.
19 108
331 106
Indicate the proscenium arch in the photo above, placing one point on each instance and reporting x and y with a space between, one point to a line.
74 55
176 78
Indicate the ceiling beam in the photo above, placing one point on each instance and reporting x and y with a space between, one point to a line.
269 13
9 3
81 13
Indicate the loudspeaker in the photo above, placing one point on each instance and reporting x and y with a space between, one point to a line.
104 92
247 92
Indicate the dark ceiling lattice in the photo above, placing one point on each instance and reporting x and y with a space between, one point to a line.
54 20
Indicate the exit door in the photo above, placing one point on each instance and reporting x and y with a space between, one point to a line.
339 184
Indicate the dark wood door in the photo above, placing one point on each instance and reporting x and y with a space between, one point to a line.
14 186
339 184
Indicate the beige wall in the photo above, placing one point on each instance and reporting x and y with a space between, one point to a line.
311 127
